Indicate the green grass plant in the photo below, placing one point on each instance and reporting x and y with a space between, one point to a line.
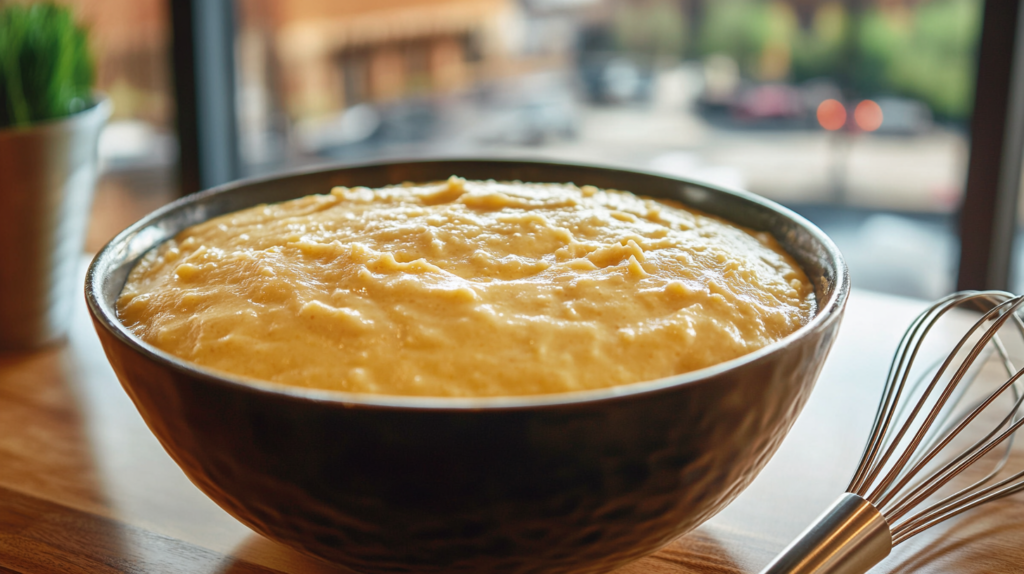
46 67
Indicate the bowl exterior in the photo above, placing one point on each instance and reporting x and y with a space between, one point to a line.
562 486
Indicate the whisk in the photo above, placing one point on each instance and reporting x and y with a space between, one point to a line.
915 446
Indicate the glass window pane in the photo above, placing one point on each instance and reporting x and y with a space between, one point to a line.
852 113
138 150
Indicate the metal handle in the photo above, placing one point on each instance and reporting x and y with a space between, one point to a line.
849 538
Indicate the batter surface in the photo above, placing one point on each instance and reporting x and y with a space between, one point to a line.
465 288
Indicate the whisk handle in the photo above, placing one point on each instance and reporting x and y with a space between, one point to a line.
849 538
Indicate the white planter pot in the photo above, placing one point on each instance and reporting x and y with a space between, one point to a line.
47 176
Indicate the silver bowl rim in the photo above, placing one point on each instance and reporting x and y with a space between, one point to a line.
106 316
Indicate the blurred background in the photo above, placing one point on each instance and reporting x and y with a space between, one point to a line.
854 113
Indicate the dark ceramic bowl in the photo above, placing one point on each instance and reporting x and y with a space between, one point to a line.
576 482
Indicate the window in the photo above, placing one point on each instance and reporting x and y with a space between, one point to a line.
855 114
138 149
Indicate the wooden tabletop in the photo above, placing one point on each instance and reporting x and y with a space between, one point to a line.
85 487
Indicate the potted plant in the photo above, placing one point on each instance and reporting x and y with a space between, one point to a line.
50 120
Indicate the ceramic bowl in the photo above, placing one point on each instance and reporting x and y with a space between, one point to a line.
578 482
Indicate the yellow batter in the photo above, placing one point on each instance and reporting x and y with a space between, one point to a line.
465 288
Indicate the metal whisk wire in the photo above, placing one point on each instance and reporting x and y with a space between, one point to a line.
918 419
888 491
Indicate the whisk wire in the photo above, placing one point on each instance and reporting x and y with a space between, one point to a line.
951 471
908 475
914 496
916 422
882 491
880 427
946 420
954 505
943 424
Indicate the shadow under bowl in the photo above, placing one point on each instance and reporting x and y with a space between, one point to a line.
576 482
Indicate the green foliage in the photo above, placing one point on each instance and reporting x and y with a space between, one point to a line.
818 51
657 29
46 67
735 28
879 39
928 54
927 51
937 61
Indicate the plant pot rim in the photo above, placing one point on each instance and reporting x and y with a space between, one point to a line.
99 111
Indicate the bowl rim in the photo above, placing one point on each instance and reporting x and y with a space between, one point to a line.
105 315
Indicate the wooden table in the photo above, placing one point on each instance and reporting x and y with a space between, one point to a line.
84 486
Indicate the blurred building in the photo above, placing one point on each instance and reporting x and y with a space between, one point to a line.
333 55
131 39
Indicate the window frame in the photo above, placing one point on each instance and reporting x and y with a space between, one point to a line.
203 63
988 214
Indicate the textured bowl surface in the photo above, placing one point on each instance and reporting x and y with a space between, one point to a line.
579 482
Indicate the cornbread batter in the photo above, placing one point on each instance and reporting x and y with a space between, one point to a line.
465 288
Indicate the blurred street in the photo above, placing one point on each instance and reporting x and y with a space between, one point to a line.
922 173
